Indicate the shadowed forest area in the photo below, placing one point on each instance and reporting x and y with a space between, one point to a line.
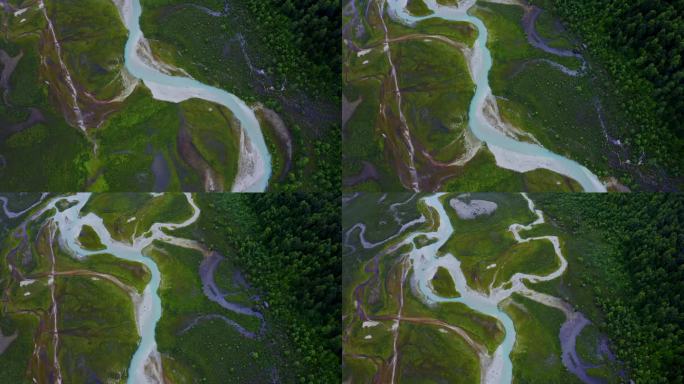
640 289
640 44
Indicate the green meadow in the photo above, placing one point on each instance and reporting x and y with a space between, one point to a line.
556 108
489 256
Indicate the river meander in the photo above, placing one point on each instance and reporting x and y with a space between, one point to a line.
254 168
509 153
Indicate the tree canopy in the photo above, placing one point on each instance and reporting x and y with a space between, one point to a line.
646 320
641 45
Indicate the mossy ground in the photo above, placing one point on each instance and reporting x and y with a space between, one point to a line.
137 139
211 350
478 243
129 214
556 108
436 98
536 354
443 283
97 337
89 239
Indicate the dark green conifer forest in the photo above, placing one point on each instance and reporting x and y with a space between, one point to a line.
641 291
288 245
641 44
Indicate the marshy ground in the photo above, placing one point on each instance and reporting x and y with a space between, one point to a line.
408 89
412 311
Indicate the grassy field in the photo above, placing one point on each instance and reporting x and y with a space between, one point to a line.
97 337
562 117
102 336
380 221
482 174
417 8
147 132
436 90
487 250
436 95
129 214
489 255
93 39
376 341
212 350
432 356
536 354
131 273
89 239
216 134
482 328
443 284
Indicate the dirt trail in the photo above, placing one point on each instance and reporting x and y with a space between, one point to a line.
404 129
114 280
480 349
57 370
397 321
65 71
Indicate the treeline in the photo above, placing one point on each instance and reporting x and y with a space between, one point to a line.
321 171
292 28
288 245
641 44
646 322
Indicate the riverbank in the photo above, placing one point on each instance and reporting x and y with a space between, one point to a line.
492 277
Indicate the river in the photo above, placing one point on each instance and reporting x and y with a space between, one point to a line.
254 167
509 153
10 214
148 307
496 368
